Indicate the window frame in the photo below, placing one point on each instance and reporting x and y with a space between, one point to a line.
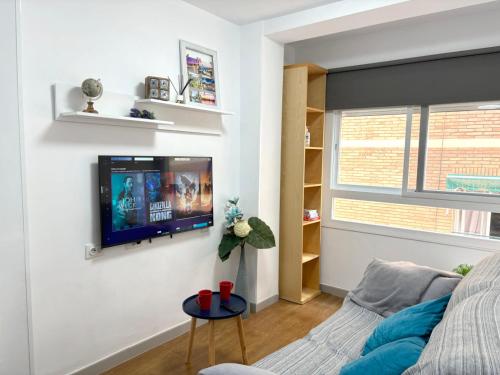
470 199
452 200
419 196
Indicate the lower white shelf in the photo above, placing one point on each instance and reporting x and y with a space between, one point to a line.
132 122
95 118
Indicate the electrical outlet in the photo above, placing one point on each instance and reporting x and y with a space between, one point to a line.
92 251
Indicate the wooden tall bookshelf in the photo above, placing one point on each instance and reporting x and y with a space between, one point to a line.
304 88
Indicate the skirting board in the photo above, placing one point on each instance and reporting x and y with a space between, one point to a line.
256 307
152 342
333 290
132 351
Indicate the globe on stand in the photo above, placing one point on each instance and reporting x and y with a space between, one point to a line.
92 89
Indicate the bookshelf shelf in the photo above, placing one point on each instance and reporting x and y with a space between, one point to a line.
306 257
309 222
315 110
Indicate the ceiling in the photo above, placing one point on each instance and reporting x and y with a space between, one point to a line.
247 11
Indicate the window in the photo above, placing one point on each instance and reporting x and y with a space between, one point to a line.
371 148
463 149
432 168
434 219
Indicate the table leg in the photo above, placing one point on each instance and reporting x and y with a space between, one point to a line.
243 344
211 343
191 339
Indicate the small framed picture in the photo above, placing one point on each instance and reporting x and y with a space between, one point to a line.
157 88
199 64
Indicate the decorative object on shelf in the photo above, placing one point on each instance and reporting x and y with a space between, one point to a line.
180 99
92 89
157 88
239 232
463 269
311 215
199 64
308 137
137 113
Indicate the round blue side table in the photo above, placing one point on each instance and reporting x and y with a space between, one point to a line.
227 310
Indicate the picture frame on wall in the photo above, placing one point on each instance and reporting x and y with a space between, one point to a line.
199 64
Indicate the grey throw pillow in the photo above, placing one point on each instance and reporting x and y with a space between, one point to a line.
440 287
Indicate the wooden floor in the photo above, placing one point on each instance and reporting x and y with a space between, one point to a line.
265 332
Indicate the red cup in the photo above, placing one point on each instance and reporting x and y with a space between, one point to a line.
204 299
225 287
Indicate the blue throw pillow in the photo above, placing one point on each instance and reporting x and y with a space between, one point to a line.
418 320
389 359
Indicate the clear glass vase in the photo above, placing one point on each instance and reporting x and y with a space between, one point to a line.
242 281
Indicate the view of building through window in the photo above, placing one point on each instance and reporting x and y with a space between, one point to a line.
434 219
371 149
462 155
463 151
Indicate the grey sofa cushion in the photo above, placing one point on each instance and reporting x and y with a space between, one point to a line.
440 287
233 369
388 287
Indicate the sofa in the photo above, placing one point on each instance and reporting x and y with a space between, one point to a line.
466 341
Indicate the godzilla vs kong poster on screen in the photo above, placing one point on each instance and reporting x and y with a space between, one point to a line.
159 195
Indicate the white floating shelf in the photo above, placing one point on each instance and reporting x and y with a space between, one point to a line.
185 107
95 118
114 107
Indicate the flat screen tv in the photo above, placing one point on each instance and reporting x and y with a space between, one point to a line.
143 197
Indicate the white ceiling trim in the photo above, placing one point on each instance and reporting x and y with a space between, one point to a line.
350 15
243 12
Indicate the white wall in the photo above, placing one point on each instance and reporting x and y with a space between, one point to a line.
261 95
14 354
270 163
345 254
469 28
86 310
250 104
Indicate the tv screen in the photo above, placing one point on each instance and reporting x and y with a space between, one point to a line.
143 197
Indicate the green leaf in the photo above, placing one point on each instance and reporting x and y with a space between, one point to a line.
261 236
228 242
463 269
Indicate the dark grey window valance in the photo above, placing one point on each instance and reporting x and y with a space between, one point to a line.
467 76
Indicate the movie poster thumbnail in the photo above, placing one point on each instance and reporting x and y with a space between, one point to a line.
159 196
187 195
127 204
206 191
